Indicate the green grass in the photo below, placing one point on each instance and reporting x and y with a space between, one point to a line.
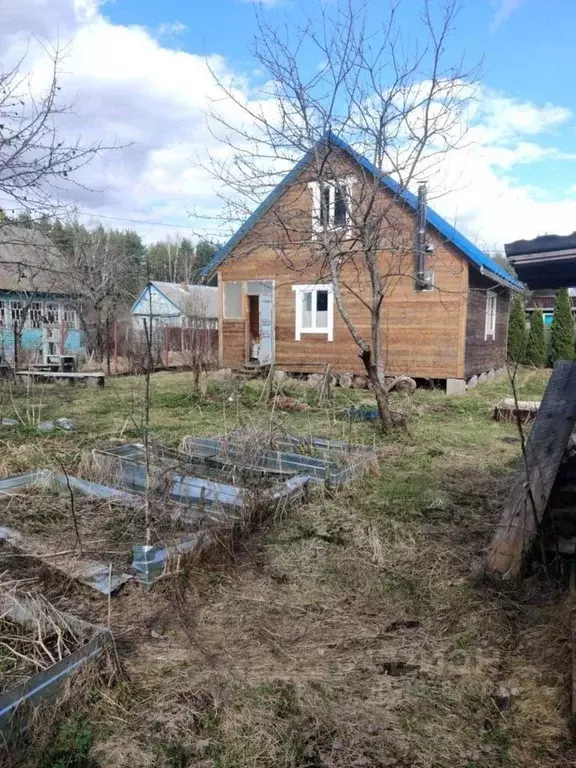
279 655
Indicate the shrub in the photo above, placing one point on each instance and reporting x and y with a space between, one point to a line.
517 330
536 345
562 331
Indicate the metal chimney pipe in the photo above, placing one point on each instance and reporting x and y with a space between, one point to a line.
420 245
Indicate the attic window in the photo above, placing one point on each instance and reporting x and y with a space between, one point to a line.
330 205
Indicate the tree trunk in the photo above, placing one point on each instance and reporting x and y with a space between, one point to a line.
380 391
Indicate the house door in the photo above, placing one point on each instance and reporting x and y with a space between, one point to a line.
265 356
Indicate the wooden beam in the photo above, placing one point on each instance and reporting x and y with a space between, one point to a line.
510 410
536 473
572 608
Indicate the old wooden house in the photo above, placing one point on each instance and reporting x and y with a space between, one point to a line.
38 312
545 264
445 312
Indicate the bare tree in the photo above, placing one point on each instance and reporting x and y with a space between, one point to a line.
198 333
98 269
391 95
36 161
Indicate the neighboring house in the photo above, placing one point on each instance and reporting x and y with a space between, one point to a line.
179 305
544 299
547 262
37 307
282 310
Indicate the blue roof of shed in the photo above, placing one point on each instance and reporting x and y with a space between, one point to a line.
478 258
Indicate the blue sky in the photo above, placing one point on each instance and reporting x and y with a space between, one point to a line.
527 45
136 71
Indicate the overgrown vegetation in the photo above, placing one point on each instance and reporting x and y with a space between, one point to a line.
536 352
517 330
357 631
562 330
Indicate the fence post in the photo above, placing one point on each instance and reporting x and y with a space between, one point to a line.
107 345
62 336
166 349
15 345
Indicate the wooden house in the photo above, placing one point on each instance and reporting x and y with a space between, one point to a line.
38 314
445 312
545 264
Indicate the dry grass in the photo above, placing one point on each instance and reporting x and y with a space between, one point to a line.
356 630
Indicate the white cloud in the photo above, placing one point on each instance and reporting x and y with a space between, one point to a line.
125 87
170 29
504 9
125 84
477 187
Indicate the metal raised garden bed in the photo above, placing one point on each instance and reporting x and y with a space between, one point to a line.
336 462
45 685
214 488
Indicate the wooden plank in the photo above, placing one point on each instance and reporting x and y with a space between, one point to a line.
510 410
531 487
572 607
62 374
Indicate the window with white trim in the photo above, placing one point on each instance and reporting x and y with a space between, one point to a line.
15 311
52 314
491 306
35 315
331 204
314 310
69 316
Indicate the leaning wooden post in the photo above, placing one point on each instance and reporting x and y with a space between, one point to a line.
528 495
572 607
166 349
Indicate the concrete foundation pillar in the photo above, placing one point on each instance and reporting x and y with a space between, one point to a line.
455 386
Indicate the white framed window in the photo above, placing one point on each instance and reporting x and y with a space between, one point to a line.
331 205
52 313
69 316
233 301
314 310
35 314
15 311
491 306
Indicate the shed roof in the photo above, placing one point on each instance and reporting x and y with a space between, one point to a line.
473 254
548 261
30 263
186 297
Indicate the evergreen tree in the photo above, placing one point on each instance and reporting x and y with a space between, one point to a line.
562 332
517 330
536 345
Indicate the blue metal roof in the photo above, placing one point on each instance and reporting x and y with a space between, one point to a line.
477 258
